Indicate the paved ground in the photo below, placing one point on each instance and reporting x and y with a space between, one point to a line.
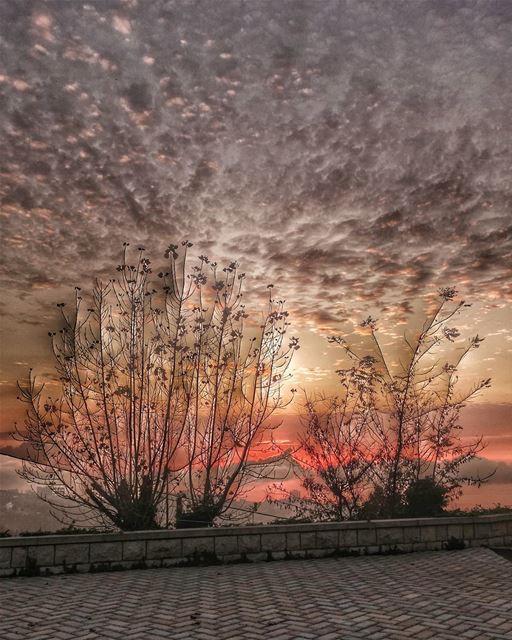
439 595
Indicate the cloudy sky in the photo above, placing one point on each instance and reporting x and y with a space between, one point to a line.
356 153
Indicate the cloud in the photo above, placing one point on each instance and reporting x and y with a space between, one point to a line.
334 129
9 479
357 157
496 471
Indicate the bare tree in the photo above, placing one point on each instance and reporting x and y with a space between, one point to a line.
337 450
159 393
103 447
237 372
393 433
420 404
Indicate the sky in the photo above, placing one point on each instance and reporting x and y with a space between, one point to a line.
354 153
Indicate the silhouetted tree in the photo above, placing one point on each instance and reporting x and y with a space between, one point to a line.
237 372
160 393
337 450
425 498
419 403
393 433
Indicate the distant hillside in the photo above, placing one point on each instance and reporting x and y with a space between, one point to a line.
25 511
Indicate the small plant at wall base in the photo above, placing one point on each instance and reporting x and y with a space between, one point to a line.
162 392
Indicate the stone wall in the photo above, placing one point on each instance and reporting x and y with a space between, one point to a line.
165 548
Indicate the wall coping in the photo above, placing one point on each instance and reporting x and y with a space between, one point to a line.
159 534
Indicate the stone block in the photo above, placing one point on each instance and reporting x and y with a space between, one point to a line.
7 573
44 554
441 532
157 549
71 554
347 538
273 541
308 540
125 564
249 543
498 529
171 562
257 557
326 539
318 553
428 533
370 550
193 546
292 541
366 537
455 531
468 531
434 546
226 545
391 535
230 558
482 530
134 550
19 557
156 564
5 558
105 551
53 571
412 534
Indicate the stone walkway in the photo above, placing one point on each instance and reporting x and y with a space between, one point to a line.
435 595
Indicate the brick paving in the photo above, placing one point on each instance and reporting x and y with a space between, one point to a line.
436 595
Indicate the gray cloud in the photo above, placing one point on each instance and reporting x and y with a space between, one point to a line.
495 471
341 148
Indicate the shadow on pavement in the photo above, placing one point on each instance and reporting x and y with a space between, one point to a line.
503 552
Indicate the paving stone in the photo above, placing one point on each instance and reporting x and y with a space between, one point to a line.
441 595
